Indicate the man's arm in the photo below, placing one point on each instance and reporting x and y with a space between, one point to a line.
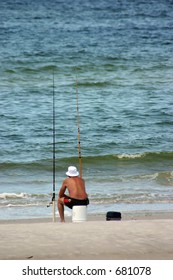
62 189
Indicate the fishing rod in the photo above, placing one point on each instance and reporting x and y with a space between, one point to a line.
78 125
53 145
54 138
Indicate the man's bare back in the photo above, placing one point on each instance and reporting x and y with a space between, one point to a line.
76 187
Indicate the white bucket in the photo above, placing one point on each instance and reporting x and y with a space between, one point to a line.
79 213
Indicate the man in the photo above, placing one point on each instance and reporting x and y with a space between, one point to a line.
76 192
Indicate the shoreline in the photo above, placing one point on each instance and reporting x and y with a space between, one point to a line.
133 215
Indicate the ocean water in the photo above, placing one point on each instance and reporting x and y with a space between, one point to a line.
120 55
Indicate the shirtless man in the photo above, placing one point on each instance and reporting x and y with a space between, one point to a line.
76 192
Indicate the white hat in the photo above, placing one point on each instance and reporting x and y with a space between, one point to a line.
72 171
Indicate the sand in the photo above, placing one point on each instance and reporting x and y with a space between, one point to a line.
142 236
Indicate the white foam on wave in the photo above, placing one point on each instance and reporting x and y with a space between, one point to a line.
132 156
13 195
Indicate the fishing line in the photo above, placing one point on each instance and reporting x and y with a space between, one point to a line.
78 125
53 145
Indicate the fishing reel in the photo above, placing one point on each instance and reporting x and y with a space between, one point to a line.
50 203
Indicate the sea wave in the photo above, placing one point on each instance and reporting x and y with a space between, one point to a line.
8 200
22 195
133 198
147 155
61 163
13 195
130 156
95 199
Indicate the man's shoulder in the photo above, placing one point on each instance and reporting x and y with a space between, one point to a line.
66 180
73 179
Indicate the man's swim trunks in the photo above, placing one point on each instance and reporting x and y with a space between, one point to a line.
70 202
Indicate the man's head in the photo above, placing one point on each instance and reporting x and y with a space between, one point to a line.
72 171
